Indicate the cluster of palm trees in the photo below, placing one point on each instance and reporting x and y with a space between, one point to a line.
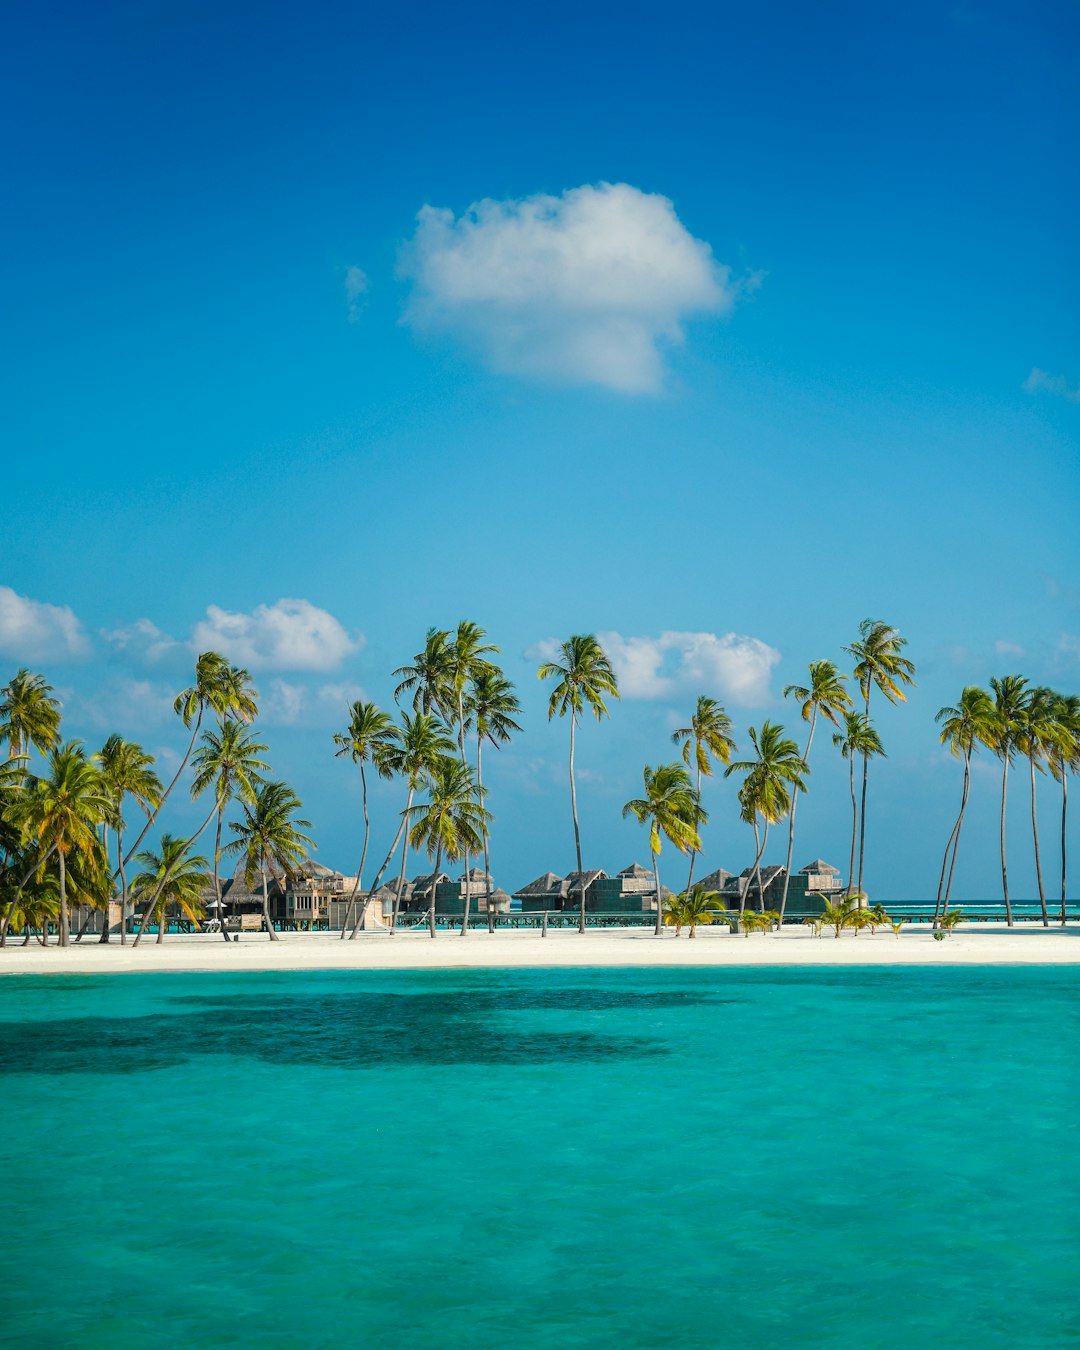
55 825
64 832
1013 720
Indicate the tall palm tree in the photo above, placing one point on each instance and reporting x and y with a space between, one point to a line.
227 761
583 676
708 734
1065 760
423 740
857 737
825 694
126 771
1040 732
270 833
1010 699
450 821
468 660
429 678
493 705
173 877
215 688
672 808
29 714
370 736
962 729
766 791
65 808
878 664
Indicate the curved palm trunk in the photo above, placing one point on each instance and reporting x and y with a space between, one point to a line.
162 921
63 939
35 866
123 886
404 859
431 902
577 831
1038 858
862 808
487 860
168 873
791 820
105 852
693 851
363 855
266 906
659 900
1004 871
945 882
757 862
382 870
854 824
1064 810
220 912
153 815
467 882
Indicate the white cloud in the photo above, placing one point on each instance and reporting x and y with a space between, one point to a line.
1007 649
356 288
125 703
31 630
547 649
288 635
1042 382
289 704
142 639
585 287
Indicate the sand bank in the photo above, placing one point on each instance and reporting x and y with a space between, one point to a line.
984 944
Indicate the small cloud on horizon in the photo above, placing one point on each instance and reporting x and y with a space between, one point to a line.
1042 382
32 630
356 289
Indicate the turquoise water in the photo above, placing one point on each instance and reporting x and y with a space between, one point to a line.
865 1158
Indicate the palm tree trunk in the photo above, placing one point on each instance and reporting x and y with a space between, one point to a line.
464 765
386 863
487 860
659 901
404 859
123 886
862 808
63 895
38 863
854 823
105 853
363 853
431 903
220 911
153 815
791 821
757 863
1064 810
954 840
168 873
1035 835
577 831
162 921
693 851
1004 872
266 906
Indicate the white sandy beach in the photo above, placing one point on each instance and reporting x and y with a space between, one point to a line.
975 944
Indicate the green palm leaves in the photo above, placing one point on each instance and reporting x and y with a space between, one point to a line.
963 727
126 771
708 736
692 908
369 739
765 794
672 810
856 739
172 877
451 822
29 714
270 834
583 677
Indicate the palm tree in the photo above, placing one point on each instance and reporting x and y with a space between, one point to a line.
692 908
215 688
1040 732
878 663
493 705
65 808
126 771
370 736
766 791
962 729
422 741
270 833
672 808
1010 699
708 734
468 660
582 676
1064 760
838 914
429 679
857 737
29 715
824 694
227 761
450 821
172 877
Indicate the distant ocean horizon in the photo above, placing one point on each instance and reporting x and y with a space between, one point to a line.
750 1158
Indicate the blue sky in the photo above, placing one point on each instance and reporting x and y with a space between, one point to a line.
814 357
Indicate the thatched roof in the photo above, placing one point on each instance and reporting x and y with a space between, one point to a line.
475 874
715 881
547 884
820 866
635 870
574 879
499 897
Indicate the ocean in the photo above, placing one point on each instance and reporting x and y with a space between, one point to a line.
863 1158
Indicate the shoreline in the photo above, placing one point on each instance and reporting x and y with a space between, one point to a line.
975 944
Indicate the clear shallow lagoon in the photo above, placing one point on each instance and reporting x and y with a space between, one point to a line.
863 1158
